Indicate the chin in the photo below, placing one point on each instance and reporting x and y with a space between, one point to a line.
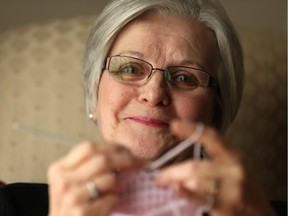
144 150
149 151
149 146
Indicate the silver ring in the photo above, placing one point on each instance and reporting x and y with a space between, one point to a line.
94 193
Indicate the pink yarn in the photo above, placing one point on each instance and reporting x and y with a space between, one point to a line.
139 196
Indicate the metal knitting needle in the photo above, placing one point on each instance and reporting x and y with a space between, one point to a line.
53 137
172 153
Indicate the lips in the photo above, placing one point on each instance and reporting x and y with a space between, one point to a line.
152 122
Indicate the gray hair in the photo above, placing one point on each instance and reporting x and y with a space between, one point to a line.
210 13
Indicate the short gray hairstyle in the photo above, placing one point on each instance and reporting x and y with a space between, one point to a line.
210 13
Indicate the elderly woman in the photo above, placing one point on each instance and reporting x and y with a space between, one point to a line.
154 71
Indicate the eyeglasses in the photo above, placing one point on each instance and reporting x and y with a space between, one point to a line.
134 71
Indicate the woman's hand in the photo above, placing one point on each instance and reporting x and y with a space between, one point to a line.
87 162
223 177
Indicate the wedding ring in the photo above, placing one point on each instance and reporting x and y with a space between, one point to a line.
94 193
213 187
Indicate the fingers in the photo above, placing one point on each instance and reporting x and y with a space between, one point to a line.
77 154
191 176
105 184
211 140
224 177
94 160
175 172
71 207
87 149
199 180
103 205
104 161
87 162
197 197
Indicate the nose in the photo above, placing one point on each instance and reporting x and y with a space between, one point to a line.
155 91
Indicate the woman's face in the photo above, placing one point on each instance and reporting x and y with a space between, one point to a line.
138 117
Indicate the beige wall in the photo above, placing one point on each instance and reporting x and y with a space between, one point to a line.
269 14
41 47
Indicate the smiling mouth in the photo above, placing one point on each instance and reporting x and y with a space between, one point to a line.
151 122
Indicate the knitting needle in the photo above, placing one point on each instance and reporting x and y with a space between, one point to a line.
172 153
53 137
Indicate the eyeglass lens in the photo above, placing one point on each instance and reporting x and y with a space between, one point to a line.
132 70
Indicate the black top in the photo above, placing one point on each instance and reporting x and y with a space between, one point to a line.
24 199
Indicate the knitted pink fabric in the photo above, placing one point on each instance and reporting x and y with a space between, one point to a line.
139 196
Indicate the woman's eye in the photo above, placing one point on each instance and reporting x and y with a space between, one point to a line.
186 79
130 72
129 69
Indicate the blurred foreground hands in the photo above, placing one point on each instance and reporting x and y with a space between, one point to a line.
84 182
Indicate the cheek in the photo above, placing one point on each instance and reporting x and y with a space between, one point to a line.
111 95
112 100
196 108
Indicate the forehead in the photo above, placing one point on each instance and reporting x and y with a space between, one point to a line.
170 40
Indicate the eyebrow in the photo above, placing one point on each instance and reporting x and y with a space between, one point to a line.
133 53
137 54
190 63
